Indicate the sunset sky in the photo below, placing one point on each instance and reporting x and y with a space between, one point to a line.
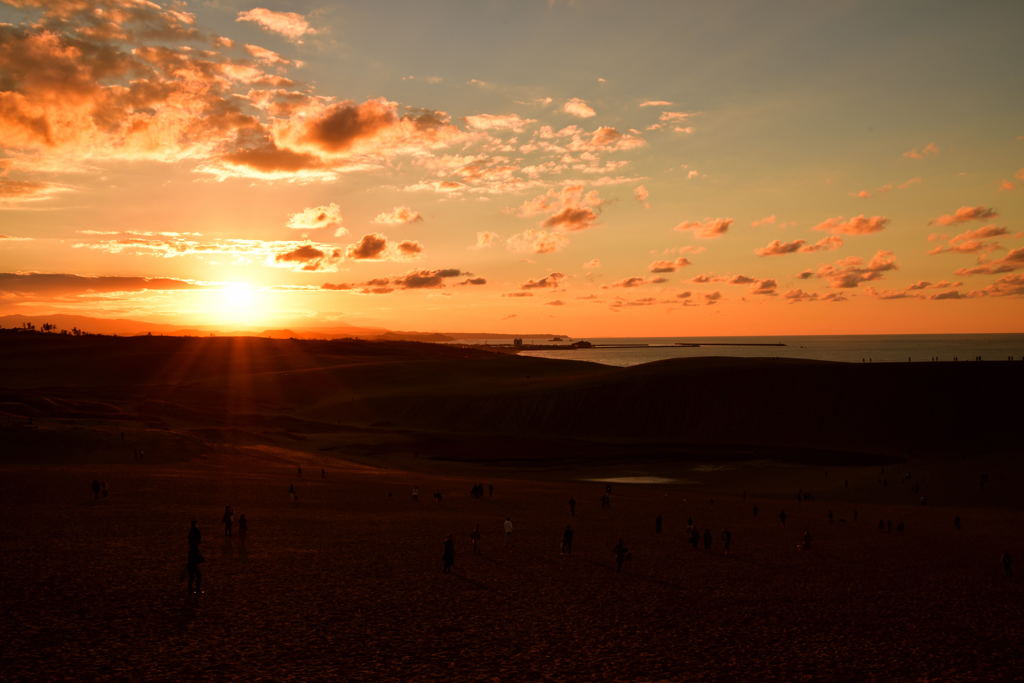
592 167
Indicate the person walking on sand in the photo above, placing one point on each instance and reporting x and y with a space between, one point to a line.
415 494
298 471
448 554
572 506
508 530
195 558
806 544
695 538
323 473
782 517
621 555
228 518
657 524
727 540
292 493
243 527
707 539
95 489
567 540
474 539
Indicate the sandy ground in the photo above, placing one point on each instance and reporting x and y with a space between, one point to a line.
347 583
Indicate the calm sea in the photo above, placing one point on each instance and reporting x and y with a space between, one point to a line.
846 348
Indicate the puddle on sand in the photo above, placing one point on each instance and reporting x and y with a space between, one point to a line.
639 480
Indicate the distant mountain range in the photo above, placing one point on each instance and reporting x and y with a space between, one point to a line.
126 327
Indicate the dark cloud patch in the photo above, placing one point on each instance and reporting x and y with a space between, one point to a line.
65 283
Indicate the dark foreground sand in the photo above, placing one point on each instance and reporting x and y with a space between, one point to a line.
346 583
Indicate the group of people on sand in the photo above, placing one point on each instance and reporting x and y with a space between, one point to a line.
99 489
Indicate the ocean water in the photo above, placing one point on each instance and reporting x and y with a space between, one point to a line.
844 348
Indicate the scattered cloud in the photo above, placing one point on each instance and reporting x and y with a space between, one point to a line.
709 228
488 122
851 271
1009 263
766 287
856 225
318 217
55 284
592 264
665 266
400 215
929 150
291 25
548 281
417 279
637 281
579 108
964 214
972 241
656 103
485 240
309 257
778 248
641 194
371 246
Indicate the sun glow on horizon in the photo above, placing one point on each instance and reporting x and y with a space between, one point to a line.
237 304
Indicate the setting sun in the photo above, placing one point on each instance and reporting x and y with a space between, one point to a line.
237 303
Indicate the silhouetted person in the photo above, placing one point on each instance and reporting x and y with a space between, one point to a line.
474 539
657 524
567 540
508 530
95 489
323 473
831 517
104 491
756 510
621 554
298 471
707 539
228 519
292 493
956 522
899 527
195 558
782 518
806 545
727 540
243 527
572 506
448 554
1008 565
415 494
695 539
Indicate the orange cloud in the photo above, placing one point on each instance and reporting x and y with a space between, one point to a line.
309 257
851 271
777 248
1008 285
548 281
1009 263
656 103
973 241
637 281
417 279
370 246
488 122
929 150
291 25
710 228
400 215
533 241
668 266
485 240
641 194
856 225
966 213
766 287
579 108
318 217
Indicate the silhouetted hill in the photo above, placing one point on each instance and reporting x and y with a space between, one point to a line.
232 388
